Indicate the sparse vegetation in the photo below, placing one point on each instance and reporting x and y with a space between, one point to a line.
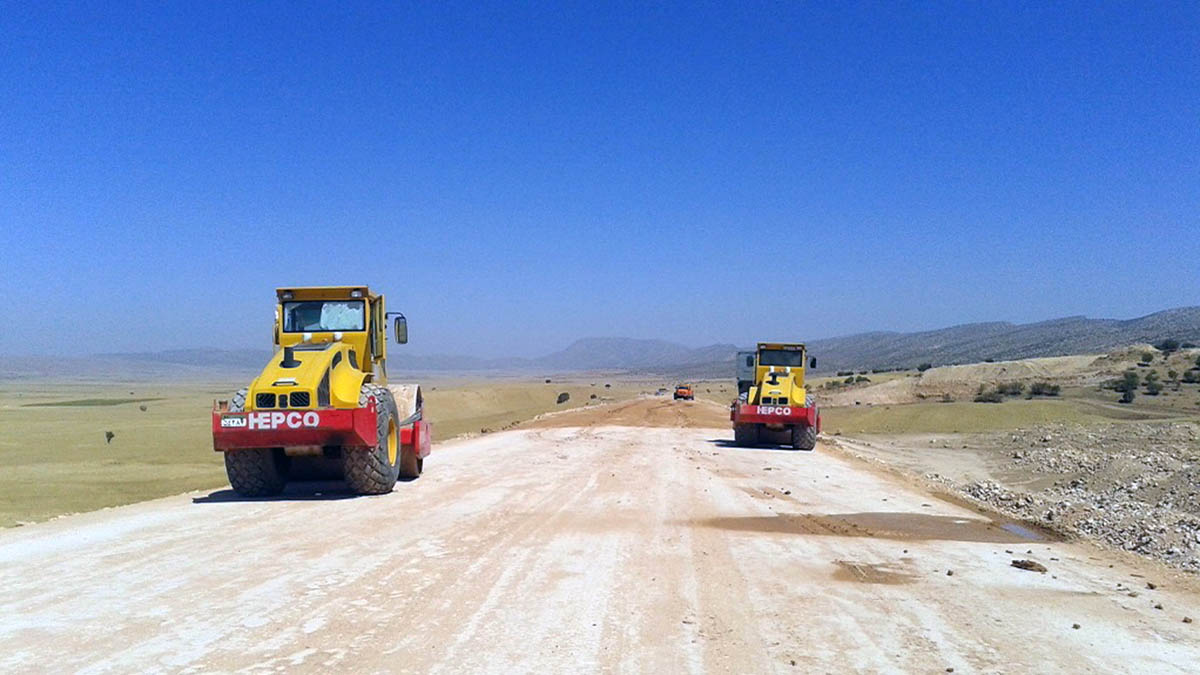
985 395
89 402
1011 388
1044 389
1167 346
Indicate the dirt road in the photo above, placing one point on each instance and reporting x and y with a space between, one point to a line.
583 548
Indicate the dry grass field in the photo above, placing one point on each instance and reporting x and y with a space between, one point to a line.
55 457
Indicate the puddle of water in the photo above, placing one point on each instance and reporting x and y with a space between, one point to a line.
1022 531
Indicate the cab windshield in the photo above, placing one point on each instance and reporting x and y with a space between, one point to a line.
781 357
311 316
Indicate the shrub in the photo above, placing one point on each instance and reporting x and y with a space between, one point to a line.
1127 397
1151 376
1147 357
1128 381
849 380
924 367
1198 361
989 360
1154 388
1191 376
1172 375
862 378
1044 389
991 396
1188 345
843 373
563 398
1010 388
1168 346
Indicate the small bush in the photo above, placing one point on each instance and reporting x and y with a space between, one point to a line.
1172 375
563 398
1010 388
1044 389
862 378
924 367
1151 376
1127 397
843 373
1168 346
989 360
849 380
1147 357
1154 388
1191 376
1188 345
1128 381
989 396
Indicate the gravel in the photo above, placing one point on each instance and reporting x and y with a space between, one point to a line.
1134 486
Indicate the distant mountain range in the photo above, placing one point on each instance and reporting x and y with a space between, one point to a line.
967 343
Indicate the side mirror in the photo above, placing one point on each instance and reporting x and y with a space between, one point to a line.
401 330
812 363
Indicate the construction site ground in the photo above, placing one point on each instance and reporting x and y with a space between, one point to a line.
629 537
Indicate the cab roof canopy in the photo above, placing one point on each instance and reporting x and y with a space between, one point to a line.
323 293
786 346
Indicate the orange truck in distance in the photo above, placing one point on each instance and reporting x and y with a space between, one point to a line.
685 392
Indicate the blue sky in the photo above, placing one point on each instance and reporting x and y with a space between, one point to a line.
518 177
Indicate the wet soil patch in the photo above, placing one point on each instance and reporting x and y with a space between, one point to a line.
879 525
871 573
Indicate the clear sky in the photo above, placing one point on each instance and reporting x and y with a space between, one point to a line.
517 177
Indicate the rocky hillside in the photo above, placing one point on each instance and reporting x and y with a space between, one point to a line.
968 343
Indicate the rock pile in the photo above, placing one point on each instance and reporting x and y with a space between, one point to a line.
1135 486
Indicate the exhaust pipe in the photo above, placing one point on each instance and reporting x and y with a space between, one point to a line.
289 358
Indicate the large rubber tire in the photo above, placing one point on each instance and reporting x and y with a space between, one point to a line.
804 437
745 435
254 472
373 471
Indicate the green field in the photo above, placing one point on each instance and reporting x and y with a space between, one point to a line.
54 457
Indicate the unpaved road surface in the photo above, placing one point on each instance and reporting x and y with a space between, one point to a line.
583 548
